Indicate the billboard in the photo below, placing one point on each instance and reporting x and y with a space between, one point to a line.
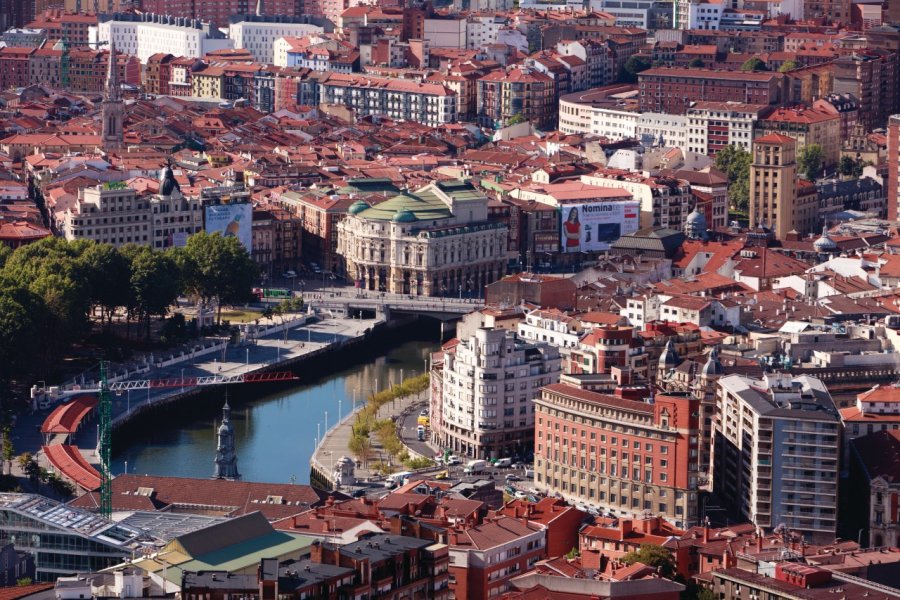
235 220
593 227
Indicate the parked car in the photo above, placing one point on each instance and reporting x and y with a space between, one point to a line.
520 495
359 493
454 460
513 477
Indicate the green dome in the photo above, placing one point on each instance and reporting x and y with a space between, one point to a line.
404 216
357 207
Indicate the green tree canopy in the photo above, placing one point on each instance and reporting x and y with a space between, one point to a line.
754 64
219 269
108 272
810 161
734 161
655 556
788 65
154 283
634 65
697 63
850 167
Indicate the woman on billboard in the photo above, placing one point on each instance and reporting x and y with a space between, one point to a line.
572 231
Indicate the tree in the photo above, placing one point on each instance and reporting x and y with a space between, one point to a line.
754 64
154 283
219 269
108 272
516 119
788 65
22 320
734 161
810 161
655 556
850 167
7 452
697 63
29 466
634 65
361 447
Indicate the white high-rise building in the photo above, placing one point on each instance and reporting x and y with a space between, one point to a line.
490 380
776 452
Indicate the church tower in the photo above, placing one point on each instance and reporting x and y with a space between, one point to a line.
226 459
113 110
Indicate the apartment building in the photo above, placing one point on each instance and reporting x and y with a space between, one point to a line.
427 103
484 558
517 92
776 452
489 382
604 112
870 75
627 457
14 67
258 34
221 11
672 90
714 125
552 326
893 161
807 126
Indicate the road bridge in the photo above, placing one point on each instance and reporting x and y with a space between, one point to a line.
444 309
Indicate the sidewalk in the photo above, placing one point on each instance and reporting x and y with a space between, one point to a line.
334 443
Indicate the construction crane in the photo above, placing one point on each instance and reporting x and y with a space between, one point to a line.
106 389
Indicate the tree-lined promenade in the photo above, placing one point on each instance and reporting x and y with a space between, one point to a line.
50 290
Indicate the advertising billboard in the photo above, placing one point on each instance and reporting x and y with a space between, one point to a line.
234 220
593 227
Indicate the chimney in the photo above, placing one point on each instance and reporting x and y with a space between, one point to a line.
453 537
759 541
705 534
625 527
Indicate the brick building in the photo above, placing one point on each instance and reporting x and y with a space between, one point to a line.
517 92
59 25
893 160
14 67
87 70
218 13
158 73
484 558
871 76
807 126
671 90
541 290
625 456
45 68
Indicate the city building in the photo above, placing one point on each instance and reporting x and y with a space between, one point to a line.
714 125
807 126
518 92
63 539
14 67
219 13
874 485
112 109
774 188
672 90
489 382
116 214
484 558
436 241
893 170
776 452
377 559
146 34
427 103
792 581
666 201
258 34
870 75
627 457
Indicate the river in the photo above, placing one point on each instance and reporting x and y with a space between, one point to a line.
275 433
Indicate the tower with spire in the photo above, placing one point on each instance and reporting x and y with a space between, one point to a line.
226 458
113 110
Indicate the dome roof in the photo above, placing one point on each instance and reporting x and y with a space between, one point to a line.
825 244
695 224
357 207
404 216
669 357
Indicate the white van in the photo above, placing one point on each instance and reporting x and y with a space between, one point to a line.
529 474
503 463
475 466
397 479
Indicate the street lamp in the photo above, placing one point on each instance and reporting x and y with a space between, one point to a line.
248 357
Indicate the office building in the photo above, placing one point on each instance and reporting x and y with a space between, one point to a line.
774 188
628 457
776 452
489 382
146 34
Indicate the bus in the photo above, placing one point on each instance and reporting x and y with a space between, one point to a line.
273 293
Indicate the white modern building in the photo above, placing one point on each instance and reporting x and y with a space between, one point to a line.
628 13
258 34
661 129
146 34
484 29
448 32
552 326
489 382
776 452
609 116
714 125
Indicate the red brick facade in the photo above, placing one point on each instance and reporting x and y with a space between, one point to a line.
672 90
